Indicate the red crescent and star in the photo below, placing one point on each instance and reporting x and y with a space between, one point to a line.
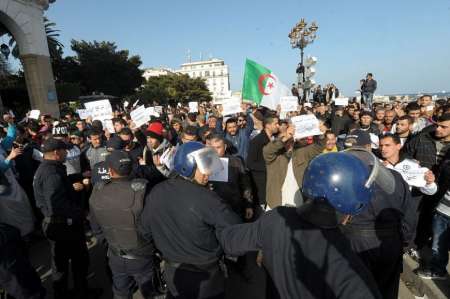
261 80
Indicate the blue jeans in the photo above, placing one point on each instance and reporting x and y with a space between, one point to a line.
441 243
368 99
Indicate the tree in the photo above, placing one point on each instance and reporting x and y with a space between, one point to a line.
103 68
55 47
174 88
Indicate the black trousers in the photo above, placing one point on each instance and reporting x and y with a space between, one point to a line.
18 277
384 259
185 283
127 273
65 249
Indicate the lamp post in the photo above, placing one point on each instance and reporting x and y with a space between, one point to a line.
301 36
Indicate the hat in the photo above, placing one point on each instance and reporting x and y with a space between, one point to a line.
120 162
60 130
76 133
155 130
116 143
357 138
53 144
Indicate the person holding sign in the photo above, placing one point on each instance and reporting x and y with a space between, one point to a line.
286 161
414 175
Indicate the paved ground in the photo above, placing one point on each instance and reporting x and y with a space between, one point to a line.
98 278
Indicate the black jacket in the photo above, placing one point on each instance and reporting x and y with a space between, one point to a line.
237 192
184 219
422 147
369 86
394 213
257 165
303 259
54 193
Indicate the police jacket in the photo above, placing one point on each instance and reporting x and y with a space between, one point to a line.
387 215
303 259
54 193
184 219
115 211
237 192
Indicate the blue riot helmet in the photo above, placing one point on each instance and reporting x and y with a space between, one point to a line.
192 155
346 180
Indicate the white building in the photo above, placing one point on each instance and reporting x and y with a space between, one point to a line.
156 71
214 71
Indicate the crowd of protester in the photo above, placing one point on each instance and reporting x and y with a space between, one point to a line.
266 164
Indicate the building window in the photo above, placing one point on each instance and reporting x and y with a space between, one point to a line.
193 74
206 73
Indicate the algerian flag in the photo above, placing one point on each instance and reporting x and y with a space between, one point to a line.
261 86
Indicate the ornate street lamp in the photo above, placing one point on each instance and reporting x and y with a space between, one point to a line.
301 36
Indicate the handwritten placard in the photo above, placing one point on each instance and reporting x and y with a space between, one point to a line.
193 107
289 104
412 173
222 175
101 110
306 125
140 116
34 114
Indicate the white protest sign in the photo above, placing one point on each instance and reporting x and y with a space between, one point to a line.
222 175
167 158
308 104
125 104
341 101
306 125
108 125
412 173
140 116
375 140
193 107
288 104
84 113
159 109
151 111
231 106
101 110
34 114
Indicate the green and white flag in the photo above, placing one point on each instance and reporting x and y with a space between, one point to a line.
261 86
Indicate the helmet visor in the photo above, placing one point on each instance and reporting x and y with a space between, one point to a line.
207 160
379 174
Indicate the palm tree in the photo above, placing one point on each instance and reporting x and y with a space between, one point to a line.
54 45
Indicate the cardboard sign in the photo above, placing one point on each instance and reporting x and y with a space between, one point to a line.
222 175
34 114
167 158
101 110
140 116
193 107
151 111
341 101
306 125
159 109
231 106
289 104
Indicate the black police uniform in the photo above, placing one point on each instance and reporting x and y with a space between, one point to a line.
17 275
305 253
184 218
63 225
115 208
99 173
379 233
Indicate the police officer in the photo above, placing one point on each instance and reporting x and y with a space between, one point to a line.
63 222
17 275
381 231
184 218
116 206
304 250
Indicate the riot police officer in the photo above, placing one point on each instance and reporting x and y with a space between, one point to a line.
304 251
63 222
115 207
184 218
